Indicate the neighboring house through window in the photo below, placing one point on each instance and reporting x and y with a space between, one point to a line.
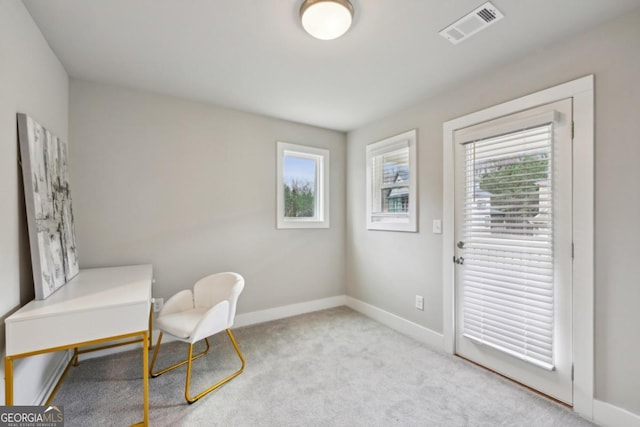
391 183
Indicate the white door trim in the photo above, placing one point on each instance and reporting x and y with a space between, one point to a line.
581 90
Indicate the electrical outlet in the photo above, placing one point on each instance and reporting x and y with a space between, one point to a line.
158 303
419 302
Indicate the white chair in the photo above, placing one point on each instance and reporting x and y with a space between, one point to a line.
193 316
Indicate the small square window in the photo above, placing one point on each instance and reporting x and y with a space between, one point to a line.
303 187
391 183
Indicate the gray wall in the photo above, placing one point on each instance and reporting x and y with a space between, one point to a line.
387 269
32 81
191 188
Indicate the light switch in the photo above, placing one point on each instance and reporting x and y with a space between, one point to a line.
437 226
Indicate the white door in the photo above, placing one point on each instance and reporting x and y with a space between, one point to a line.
513 255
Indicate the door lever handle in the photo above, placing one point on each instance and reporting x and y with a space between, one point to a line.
459 260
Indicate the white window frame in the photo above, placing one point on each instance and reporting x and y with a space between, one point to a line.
581 90
321 215
378 221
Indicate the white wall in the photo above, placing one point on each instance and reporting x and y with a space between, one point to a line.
387 269
33 81
191 188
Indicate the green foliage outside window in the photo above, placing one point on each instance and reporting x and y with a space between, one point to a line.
299 200
514 185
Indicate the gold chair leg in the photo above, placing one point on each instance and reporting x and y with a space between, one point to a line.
219 383
177 365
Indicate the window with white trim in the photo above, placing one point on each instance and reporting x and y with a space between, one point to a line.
391 183
303 186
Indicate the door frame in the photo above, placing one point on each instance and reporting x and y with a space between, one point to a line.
581 90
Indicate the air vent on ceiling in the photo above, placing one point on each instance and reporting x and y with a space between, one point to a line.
470 24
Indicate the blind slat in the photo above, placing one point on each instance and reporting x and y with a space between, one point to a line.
536 303
518 318
514 335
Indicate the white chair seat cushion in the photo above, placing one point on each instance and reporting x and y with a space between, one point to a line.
181 324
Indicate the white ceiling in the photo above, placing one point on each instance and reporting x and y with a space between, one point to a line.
253 55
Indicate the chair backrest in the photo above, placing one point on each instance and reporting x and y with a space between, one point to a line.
218 287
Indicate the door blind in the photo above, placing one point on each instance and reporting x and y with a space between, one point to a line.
507 276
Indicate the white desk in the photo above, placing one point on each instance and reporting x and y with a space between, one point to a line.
98 305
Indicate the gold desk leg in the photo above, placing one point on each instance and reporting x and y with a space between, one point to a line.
145 381
145 377
8 381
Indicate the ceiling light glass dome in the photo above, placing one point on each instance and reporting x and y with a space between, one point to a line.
326 19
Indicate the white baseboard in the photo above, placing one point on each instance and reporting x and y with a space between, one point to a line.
608 415
276 313
54 376
420 333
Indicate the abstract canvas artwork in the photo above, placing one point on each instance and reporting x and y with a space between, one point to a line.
52 239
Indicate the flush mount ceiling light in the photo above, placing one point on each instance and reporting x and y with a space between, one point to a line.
326 19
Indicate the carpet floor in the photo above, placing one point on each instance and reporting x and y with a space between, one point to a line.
334 367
